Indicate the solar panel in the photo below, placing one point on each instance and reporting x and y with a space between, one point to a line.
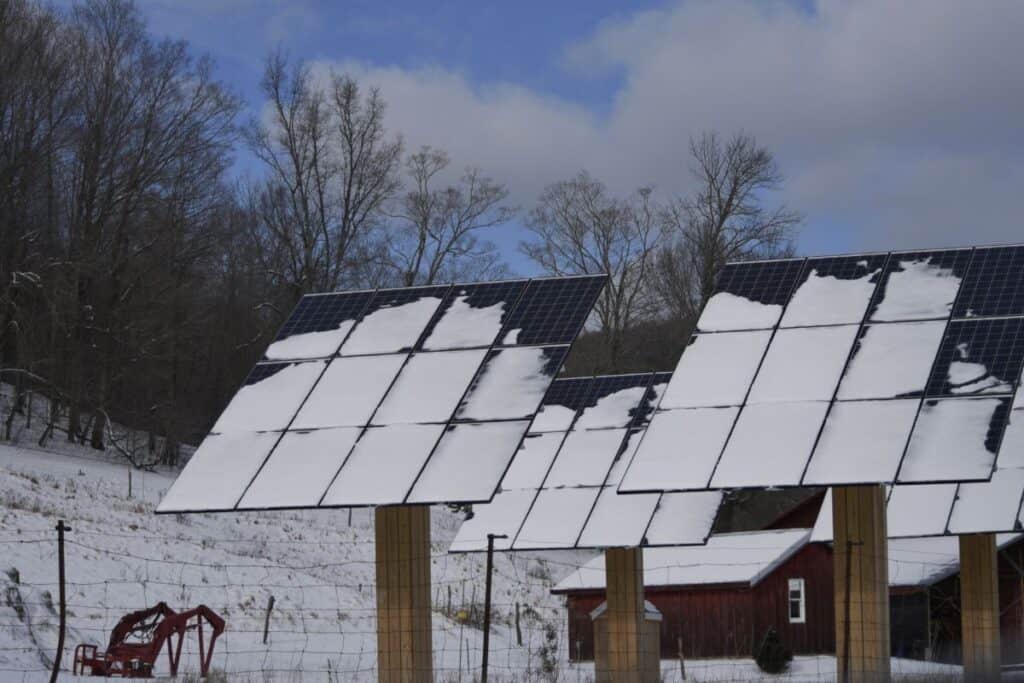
750 296
348 392
716 370
429 387
919 510
978 357
868 358
563 400
834 290
318 325
556 471
552 311
994 285
891 360
478 453
271 396
920 285
297 472
613 401
394 320
511 383
471 316
955 439
861 442
769 445
990 506
803 364
415 406
680 450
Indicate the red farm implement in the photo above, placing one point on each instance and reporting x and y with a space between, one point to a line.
138 638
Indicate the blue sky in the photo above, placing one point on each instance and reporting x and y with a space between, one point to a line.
897 125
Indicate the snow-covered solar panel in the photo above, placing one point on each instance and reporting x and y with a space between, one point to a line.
862 442
429 387
919 510
750 296
893 344
834 290
297 473
989 506
511 383
472 316
680 449
468 462
318 325
270 398
383 465
585 458
803 364
408 397
552 311
716 369
218 472
891 361
579 471
613 401
955 439
394 320
348 391
919 285
769 445
563 400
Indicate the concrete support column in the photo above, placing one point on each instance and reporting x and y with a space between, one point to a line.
979 607
861 584
404 652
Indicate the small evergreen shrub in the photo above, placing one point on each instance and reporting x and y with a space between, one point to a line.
772 656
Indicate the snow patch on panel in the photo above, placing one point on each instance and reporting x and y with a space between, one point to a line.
309 344
828 300
391 329
466 326
949 441
725 311
270 403
920 291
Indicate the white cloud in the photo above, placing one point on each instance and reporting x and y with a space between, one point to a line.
900 121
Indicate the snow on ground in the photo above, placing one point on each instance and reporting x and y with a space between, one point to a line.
318 565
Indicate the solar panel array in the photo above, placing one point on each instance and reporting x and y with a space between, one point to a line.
889 367
392 396
560 490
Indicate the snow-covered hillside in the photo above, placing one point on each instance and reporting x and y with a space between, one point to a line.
318 566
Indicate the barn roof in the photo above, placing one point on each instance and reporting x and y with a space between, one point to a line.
737 558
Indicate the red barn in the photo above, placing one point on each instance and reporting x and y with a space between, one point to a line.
720 599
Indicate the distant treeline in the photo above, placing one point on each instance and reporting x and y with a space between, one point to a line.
140 279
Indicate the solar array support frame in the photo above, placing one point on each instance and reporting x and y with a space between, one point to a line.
979 607
861 586
404 633
624 660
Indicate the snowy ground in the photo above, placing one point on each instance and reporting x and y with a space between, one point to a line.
317 565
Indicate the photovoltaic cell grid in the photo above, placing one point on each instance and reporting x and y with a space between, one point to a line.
844 370
560 490
411 401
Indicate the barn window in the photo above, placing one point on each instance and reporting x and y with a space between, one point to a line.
797 602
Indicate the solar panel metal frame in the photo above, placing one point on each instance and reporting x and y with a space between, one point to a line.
593 290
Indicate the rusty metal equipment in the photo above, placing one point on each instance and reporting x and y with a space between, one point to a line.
137 640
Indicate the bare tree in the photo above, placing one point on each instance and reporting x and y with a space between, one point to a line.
331 166
581 228
725 219
435 234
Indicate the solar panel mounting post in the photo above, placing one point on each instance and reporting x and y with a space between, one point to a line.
404 647
979 608
861 589
624 592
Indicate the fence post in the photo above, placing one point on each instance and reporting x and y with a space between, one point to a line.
487 603
266 619
63 599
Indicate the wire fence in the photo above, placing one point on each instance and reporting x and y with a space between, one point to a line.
322 624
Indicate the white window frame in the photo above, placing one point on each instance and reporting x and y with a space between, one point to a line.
799 587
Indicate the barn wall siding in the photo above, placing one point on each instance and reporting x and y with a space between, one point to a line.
813 564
